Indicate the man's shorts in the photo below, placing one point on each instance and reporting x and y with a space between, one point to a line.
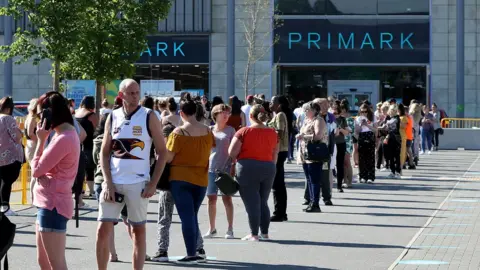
136 205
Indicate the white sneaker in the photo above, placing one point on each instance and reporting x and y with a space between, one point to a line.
370 181
210 234
383 169
363 181
398 175
344 186
229 234
10 213
422 152
429 152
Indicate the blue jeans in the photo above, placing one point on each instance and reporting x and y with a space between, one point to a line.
188 199
51 221
313 173
427 139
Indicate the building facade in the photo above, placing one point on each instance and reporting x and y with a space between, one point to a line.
370 49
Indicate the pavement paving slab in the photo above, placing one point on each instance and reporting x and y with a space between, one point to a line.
426 220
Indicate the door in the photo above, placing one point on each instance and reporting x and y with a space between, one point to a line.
354 91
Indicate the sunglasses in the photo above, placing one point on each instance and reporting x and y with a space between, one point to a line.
363 111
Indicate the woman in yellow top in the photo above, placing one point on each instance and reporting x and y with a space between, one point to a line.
280 106
189 149
403 133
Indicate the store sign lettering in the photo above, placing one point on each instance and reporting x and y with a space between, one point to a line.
351 41
162 49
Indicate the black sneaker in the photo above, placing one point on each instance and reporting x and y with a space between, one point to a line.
329 202
306 202
189 260
160 256
315 208
413 167
202 255
277 219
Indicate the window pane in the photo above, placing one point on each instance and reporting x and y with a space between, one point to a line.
403 7
299 7
351 7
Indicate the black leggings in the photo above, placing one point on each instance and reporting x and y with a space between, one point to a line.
394 156
8 175
341 151
435 137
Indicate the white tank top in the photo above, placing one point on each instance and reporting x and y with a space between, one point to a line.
131 143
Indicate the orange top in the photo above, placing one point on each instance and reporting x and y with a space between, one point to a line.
410 128
190 163
235 121
257 143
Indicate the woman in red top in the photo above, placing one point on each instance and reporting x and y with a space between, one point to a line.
255 148
237 118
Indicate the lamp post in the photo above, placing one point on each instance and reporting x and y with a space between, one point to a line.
460 109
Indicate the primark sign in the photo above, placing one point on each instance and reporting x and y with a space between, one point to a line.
353 41
176 49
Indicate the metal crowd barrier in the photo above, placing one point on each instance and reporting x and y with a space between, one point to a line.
22 184
460 123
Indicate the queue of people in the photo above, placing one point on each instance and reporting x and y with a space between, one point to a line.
131 152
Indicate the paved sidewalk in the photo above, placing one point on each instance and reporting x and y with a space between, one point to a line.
451 238
368 227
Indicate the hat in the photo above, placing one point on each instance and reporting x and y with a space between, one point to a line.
250 97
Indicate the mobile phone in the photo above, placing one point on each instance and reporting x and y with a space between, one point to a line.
47 118
119 198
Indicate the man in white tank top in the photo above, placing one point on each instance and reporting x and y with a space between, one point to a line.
125 159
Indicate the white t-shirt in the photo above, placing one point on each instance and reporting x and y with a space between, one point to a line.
104 111
246 111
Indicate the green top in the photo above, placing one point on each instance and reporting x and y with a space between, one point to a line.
280 123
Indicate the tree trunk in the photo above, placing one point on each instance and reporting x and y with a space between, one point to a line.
56 76
98 97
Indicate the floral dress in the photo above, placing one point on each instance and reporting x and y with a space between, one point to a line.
349 137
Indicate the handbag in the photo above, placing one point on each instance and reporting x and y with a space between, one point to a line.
225 182
164 182
440 131
316 151
7 234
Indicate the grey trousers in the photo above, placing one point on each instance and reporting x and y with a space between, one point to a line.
256 179
417 139
165 213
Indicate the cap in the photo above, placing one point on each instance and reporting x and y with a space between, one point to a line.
250 97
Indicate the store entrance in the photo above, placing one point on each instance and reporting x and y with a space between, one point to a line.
355 91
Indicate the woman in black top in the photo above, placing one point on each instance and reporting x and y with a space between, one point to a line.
88 120
340 132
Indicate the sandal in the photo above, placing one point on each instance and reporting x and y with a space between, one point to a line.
114 258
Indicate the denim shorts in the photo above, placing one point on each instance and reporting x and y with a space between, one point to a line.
212 188
51 221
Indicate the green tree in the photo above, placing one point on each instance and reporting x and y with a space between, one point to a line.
113 37
51 32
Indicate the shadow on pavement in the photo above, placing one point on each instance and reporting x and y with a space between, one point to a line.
35 246
383 200
333 244
354 224
390 207
215 264
390 194
378 214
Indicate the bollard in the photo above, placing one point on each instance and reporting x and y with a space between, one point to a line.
25 184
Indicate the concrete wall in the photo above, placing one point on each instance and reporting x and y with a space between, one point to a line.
444 56
454 138
29 81
260 73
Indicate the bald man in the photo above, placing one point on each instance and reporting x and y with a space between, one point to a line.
130 131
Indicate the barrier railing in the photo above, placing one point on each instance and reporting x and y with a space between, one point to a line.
460 123
22 183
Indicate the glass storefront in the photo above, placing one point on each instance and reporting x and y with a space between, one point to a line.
401 83
187 77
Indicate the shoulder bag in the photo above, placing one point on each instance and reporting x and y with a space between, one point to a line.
316 150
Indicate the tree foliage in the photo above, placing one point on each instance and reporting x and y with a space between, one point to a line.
51 32
113 37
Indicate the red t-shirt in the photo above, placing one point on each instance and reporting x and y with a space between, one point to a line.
257 143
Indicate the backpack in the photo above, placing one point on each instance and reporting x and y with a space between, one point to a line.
7 234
